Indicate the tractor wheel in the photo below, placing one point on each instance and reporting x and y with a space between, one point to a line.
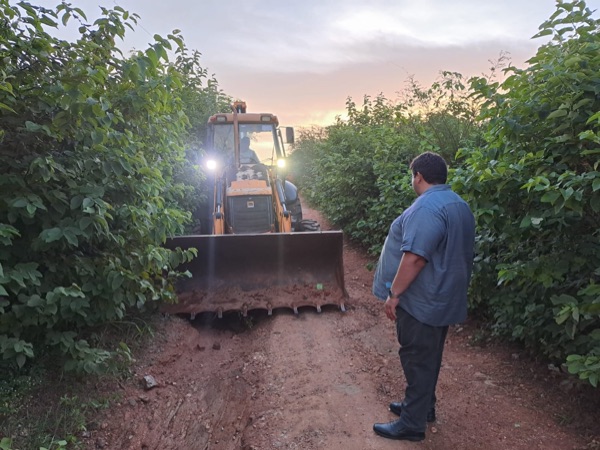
309 225
296 210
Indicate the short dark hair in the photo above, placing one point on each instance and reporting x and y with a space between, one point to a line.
431 166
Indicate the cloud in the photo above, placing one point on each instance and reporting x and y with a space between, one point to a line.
320 36
303 97
302 60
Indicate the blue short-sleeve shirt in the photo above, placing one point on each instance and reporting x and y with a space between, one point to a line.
439 226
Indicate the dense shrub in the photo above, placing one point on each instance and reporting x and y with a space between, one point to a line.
534 186
91 163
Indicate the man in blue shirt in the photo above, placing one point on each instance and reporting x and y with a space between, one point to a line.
247 155
423 275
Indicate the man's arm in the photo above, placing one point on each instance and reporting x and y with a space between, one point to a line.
410 266
254 157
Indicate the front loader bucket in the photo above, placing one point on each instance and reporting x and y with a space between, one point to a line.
261 271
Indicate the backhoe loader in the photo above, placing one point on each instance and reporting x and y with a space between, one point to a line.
255 250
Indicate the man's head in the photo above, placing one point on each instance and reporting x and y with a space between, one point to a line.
428 169
245 143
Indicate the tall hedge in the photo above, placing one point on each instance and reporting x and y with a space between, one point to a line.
535 189
92 159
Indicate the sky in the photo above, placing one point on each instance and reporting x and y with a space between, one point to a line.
303 59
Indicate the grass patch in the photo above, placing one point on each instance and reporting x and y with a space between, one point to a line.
42 407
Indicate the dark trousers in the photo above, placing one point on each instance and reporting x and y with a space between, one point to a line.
421 348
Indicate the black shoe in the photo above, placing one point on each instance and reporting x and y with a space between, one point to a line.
394 430
396 408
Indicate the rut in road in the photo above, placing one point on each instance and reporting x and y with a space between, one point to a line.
318 390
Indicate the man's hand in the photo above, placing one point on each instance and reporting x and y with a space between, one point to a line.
410 266
390 308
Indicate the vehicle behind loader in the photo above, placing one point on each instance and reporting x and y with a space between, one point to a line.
256 250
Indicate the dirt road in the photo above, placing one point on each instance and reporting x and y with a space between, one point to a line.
320 380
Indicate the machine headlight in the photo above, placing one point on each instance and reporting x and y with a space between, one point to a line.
211 164
281 163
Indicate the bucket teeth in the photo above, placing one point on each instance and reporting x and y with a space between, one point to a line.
268 306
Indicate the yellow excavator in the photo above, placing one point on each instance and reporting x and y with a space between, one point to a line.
256 251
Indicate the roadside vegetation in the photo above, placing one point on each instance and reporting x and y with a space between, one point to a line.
523 152
97 167
98 154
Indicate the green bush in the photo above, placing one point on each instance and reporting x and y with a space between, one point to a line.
534 187
91 167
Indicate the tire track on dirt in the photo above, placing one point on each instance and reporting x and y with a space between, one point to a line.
319 394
